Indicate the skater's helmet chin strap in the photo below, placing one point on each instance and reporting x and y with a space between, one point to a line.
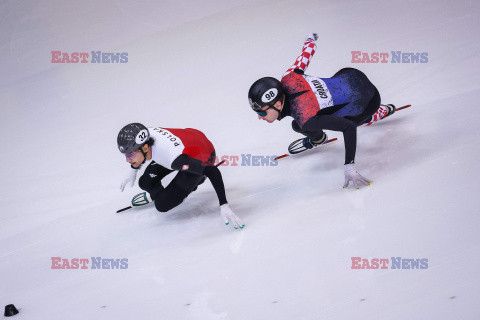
281 106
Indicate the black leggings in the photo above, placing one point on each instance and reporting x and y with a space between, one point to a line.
174 194
180 187
313 135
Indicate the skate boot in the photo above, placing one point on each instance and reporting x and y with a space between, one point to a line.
141 199
301 145
309 143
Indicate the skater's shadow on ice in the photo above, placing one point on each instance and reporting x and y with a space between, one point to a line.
397 144
193 207
204 203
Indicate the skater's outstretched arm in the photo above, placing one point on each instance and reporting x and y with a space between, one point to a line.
308 50
215 177
348 127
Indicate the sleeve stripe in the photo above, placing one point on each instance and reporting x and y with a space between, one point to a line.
304 58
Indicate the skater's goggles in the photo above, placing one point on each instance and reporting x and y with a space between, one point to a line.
258 109
263 113
130 155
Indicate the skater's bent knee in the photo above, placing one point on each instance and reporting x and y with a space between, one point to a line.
296 127
145 183
162 206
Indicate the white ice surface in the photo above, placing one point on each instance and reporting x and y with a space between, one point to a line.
190 65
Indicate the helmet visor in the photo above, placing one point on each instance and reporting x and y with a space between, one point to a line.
254 105
130 155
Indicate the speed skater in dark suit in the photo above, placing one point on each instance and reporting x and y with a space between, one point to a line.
341 103
185 151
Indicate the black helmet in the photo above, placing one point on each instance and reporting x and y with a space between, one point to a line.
265 91
132 137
